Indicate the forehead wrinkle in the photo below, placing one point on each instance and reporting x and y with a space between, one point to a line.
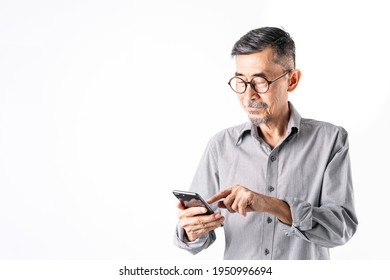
259 64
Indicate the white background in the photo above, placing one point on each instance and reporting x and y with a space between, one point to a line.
106 106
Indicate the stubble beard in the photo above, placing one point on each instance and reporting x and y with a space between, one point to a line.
257 121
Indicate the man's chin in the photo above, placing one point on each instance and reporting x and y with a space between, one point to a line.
259 120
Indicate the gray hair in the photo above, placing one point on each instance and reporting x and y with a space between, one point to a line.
259 39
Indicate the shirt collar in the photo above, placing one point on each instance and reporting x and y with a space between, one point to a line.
293 126
294 123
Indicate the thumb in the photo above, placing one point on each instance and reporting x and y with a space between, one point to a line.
180 206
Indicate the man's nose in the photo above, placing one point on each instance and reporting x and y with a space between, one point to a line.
250 93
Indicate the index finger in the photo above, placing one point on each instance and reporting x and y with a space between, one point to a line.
218 196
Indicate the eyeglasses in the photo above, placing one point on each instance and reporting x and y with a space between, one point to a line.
259 84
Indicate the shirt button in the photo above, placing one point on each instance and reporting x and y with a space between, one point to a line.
271 188
266 251
273 158
269 220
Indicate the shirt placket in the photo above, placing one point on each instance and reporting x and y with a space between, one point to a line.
269 220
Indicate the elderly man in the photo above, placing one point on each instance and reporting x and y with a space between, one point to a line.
283 182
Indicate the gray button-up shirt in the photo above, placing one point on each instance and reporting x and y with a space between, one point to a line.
309 169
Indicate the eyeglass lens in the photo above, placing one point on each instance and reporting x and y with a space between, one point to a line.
258 83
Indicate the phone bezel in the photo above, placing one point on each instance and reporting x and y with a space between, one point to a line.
187 195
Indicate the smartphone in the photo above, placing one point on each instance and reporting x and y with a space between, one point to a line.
192 199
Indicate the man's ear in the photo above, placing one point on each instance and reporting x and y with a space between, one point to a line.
295 76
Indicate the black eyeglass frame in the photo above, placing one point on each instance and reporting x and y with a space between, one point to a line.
253 86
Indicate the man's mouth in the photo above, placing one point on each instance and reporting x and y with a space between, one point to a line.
254 105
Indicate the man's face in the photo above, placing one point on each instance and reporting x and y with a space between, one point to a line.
262 108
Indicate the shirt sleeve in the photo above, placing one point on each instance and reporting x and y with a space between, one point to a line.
333 222
206 183
194 247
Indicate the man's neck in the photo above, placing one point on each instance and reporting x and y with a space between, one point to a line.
274 130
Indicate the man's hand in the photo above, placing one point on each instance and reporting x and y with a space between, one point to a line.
240 199
243 200
195 223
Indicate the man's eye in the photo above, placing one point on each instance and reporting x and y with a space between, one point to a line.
259 82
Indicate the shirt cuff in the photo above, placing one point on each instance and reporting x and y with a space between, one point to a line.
182 241
302 217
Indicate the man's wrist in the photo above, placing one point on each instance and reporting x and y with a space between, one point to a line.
280 209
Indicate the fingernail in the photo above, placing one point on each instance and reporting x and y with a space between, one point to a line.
217 215
204 210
